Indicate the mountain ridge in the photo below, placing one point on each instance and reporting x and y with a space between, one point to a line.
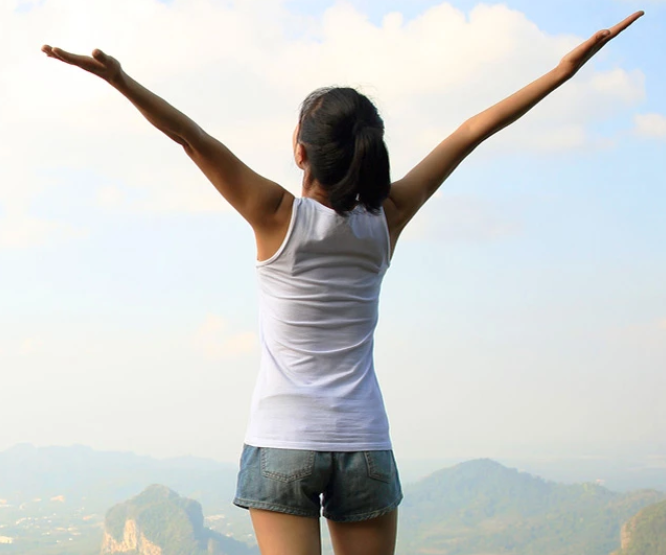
158 521
478 506
482 506
645 533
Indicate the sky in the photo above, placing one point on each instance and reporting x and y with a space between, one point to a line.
524 313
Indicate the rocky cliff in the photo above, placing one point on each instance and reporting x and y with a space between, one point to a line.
160 522
132 541
645 534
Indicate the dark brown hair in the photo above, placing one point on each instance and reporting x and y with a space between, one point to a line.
343 136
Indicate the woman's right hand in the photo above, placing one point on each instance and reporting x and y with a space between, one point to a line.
580 55
106 67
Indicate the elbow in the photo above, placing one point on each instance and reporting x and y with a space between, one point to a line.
189 137
472 131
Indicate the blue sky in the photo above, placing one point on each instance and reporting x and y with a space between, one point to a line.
524 311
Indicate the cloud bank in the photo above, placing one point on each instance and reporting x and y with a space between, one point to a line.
241 69
651 125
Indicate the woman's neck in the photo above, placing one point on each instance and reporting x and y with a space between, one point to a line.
316 192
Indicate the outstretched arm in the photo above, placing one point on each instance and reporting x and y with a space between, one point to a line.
410 193
260 201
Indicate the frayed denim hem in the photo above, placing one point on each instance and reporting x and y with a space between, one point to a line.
263 505
364 516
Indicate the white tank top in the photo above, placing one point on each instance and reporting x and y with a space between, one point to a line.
318 303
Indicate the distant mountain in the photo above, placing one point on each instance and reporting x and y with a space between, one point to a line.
160 522
484 507
645 534
56 496
98 479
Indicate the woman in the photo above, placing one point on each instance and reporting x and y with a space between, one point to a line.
318 434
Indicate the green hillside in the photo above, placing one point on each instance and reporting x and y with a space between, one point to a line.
53 502
645 534
484 507
173 523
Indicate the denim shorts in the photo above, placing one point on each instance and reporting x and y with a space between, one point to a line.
349 486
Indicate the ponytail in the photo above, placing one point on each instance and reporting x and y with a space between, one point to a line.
367 180
343 136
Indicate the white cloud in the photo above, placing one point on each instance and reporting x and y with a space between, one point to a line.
650 125
241 70
214 341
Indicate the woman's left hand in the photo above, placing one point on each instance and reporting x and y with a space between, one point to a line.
100 64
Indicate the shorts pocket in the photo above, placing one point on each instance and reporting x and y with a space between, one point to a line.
381 465
286 465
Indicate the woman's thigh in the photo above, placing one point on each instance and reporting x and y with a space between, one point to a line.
368 537
283 534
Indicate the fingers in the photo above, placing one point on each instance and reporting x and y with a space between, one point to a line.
59 54
617 29
602 37
49 51
74 59
578 57
62 55
84 62
100 56
614 31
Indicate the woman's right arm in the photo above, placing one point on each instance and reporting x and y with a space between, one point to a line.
260 201
410 193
